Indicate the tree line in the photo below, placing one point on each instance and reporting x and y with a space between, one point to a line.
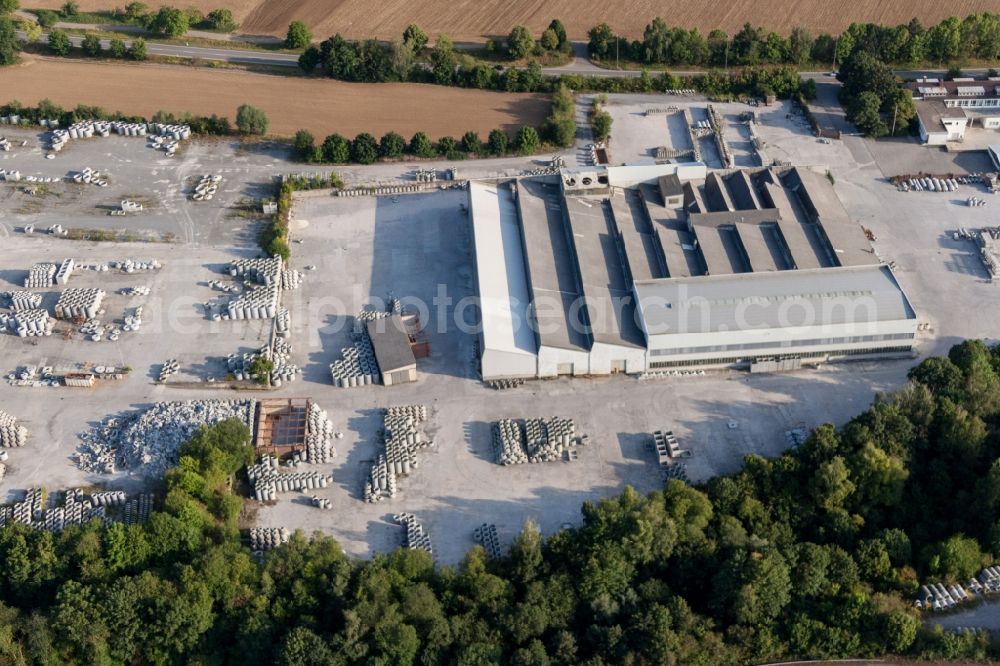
815 554
976 36
166 21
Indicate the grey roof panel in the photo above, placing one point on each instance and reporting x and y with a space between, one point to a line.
761 301
641 250
805 253
756 246
391 344
551 274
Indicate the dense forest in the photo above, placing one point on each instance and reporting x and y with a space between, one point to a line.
814 554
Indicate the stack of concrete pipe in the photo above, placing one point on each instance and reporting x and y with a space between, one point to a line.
89 176
141 290
133 322
267 538
259 303
32 323
83 303
537 440
11 433
357 365
290 279
206 188
108 498
268 481
414 537
5 144
319 441
170 367
283 322
93 330
25 300
401 440
40 276
263 270
487 535
507 443
64 271
137 510
136 265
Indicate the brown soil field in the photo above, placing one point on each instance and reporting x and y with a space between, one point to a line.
321 106
475 19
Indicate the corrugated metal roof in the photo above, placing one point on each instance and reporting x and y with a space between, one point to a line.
755 301
500 270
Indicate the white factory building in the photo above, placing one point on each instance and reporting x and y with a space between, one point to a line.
635 269
947 109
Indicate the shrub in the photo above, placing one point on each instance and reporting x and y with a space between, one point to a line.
59 42
519 43
391 145
222 20
471 143
415 38
117 48
336 149
169 22
527 140
498 142
309 59
298 36
138 49
9 47
91 45
364 149
261 369
9 6
304 146
135 11
47 18
421 145
251 120
70 9
446 145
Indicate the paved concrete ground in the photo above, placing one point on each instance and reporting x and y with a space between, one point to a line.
363 248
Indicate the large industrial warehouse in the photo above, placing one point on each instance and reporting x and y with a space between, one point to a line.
636 269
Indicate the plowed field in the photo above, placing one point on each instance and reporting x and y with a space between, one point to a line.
474 19
321 106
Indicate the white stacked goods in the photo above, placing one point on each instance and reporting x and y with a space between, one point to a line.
135 265
149 439
281 358
319 437
169 368
64 271
137 509
134 291
13 175
108 498
283 322
267 538
93 330
134 321
414 537
537 440
4 144
206 188
268 482
82 303
259 303
11 433
25 300
128 206
357 365
40 276
401 440
263 270
89 176
31 323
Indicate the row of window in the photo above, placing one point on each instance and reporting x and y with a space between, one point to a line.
784 344
746 360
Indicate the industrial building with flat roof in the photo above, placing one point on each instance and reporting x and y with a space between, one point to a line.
684 268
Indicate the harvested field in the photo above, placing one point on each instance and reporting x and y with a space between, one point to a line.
320 105
475 19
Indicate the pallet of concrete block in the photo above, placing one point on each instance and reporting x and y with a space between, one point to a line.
487 536
31 323
268 538
258 303
40 276
79 303
24 300
414 536
12 434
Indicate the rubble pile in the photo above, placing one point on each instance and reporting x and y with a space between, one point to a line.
151 438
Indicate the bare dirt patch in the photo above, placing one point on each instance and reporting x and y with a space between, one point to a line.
319 105
474 19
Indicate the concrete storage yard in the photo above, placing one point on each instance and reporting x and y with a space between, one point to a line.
365 248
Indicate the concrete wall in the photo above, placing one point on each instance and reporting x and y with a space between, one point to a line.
630 175
603 358
506 365
550 358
